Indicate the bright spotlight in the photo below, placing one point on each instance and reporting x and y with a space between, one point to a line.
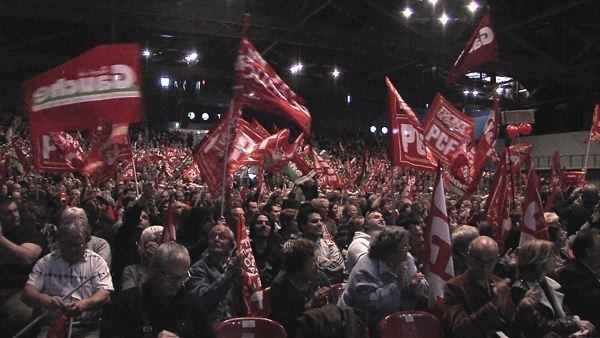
475 93
384 130
165 81
466 92
407 12
473 5
205 116
297 68
335 73
444 19
348 98
433 2
191 57
191 115
373 129
146 53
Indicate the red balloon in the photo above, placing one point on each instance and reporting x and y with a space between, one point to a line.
525 128
512 131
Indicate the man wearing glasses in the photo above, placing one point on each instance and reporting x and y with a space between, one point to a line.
161 307
478 303
72 280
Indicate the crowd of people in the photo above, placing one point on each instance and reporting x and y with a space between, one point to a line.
92 253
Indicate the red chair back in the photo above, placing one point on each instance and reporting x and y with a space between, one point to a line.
410 324
249 327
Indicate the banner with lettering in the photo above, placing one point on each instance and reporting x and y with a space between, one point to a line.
100 86
446 129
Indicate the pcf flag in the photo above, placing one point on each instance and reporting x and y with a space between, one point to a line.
102 85
481 48
446 129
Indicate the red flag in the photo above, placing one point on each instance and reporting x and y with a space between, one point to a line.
252 292
126 173
556 183
533 224
595 131
276 164
437 249
497 201
327 176
112 144
446 129
71 149
407 144
210 152
169 232
481 48
261 88
102 85
59 328
259 129
573 178
271 146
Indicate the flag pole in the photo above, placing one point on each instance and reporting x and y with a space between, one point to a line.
587 150
234 109
137 189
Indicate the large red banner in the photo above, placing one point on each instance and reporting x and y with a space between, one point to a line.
102 85
47 156
446 129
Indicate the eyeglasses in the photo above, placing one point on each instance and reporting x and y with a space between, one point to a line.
172 278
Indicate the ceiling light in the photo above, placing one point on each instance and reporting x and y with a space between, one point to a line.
373 129
348 98
335 73
475 92
407 12
146 53
473 5
205 116
296 68
191 57
444 19
433 2
384 130
165 81
191 115
466 92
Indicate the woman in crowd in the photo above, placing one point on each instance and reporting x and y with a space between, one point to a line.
386 280
540 311
299 287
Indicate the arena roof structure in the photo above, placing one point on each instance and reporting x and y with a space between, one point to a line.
548 50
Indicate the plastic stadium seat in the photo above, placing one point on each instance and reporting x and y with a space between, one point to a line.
335 292
410 324
249 327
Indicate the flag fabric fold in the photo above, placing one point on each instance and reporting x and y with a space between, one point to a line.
533 226
252 291
595 131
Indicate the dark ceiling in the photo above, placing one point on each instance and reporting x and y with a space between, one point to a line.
551 47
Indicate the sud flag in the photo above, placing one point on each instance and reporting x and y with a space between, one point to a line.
446 129
533 225
252 291
259 87
437 249
407 145
102 85
481 48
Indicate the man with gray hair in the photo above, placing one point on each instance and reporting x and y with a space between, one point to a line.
96 244
57 274
161 307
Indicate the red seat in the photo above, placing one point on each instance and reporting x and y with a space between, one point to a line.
249 327
335 292
410 324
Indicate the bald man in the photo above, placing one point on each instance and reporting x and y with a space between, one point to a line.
478 302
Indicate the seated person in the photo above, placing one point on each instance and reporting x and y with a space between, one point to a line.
161 307
136 275
540 311
478 302
386 280
300 286
217 274
61 271
266 248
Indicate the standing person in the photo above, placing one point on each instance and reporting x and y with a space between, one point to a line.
20 247
540 311
60 271
477 302
161 307
266 248
386 280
